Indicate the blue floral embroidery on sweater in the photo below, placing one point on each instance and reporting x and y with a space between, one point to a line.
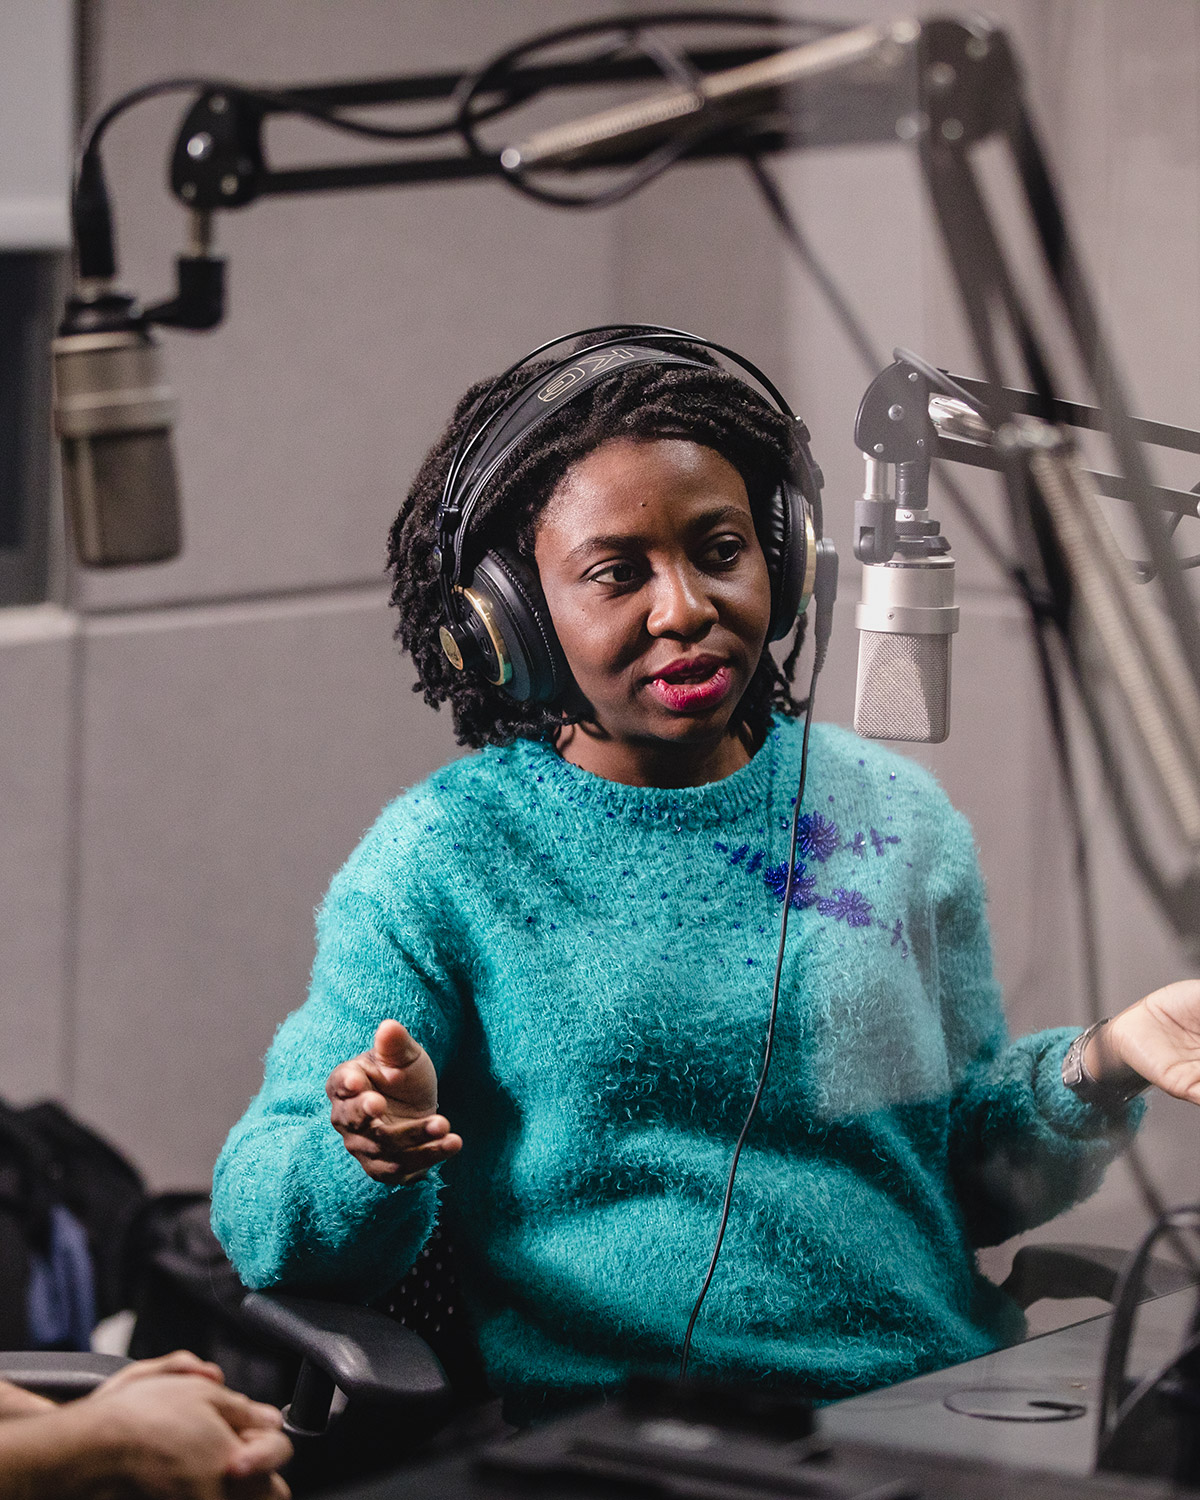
851 907
804 887
898 937
819 838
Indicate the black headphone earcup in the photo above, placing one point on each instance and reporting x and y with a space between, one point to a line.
783 534
531 658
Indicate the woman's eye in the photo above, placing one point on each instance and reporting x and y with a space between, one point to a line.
727 549
617 573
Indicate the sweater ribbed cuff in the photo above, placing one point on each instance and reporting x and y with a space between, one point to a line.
1063 1109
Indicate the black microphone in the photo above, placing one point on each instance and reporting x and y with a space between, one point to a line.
906 617
113 412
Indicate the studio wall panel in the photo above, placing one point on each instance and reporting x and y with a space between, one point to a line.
233 758
36 41
36 848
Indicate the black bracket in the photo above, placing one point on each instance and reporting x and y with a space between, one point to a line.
217 161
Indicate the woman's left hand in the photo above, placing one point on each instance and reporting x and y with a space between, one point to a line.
1159 1038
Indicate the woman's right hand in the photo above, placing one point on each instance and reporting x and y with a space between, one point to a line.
385 1108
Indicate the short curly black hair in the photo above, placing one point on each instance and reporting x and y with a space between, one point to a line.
708 406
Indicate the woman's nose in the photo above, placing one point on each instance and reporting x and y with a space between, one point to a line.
680 605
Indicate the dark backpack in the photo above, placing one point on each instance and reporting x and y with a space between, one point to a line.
186 1295
68 1201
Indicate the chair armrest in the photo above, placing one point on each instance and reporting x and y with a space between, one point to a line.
368 1356
61 1376
1064 1271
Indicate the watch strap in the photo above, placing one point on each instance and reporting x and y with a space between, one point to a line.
1107 1093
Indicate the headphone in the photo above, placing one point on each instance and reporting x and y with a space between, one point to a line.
495 620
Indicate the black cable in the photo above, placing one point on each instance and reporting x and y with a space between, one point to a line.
1115 1400
1146 570
97 127
770 1041
279 99
660 160
838 303
675 68
945 383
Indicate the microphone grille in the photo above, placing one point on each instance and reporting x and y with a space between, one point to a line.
122 494
903 689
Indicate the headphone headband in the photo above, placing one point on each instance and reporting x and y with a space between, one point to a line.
537 402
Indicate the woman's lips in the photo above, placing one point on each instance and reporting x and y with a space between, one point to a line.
685 689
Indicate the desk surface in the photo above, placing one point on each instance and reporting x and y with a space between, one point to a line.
946 1454
1060 1366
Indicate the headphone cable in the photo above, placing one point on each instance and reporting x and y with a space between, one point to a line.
770 1041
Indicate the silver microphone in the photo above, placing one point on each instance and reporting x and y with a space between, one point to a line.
905 619
113 412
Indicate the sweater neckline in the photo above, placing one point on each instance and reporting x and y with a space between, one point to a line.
713 802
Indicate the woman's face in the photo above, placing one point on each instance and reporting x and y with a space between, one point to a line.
659 592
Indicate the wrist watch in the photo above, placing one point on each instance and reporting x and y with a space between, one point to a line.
1107 1093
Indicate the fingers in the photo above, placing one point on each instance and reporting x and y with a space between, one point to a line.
180 1362
409 1166
360 1111
385 1165
396 1066
393 1047
347 1080
246 1417
371 1115
259 1452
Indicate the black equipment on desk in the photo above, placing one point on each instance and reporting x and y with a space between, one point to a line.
688 1442
689 1439
1151 1426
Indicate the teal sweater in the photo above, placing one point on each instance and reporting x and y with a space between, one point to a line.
589 965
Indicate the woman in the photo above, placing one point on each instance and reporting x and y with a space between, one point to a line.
542 980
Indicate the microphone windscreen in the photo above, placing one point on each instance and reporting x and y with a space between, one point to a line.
903 687
113 412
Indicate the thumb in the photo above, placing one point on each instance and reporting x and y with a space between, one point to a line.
393 1046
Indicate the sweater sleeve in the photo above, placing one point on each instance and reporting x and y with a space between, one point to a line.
290 1205
1022 1146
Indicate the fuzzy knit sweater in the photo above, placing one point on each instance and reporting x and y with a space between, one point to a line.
589 965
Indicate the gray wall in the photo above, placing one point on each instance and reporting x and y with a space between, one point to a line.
192 749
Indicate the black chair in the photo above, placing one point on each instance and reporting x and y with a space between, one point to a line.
382 1383
61 1376
1066 1271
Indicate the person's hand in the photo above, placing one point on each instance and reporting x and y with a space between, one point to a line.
1158 1038
384 1106
181 1437
181 1362
16 1402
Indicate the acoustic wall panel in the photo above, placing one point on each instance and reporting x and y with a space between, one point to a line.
37 687
233 758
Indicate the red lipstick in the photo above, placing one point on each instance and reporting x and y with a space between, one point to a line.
691 682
